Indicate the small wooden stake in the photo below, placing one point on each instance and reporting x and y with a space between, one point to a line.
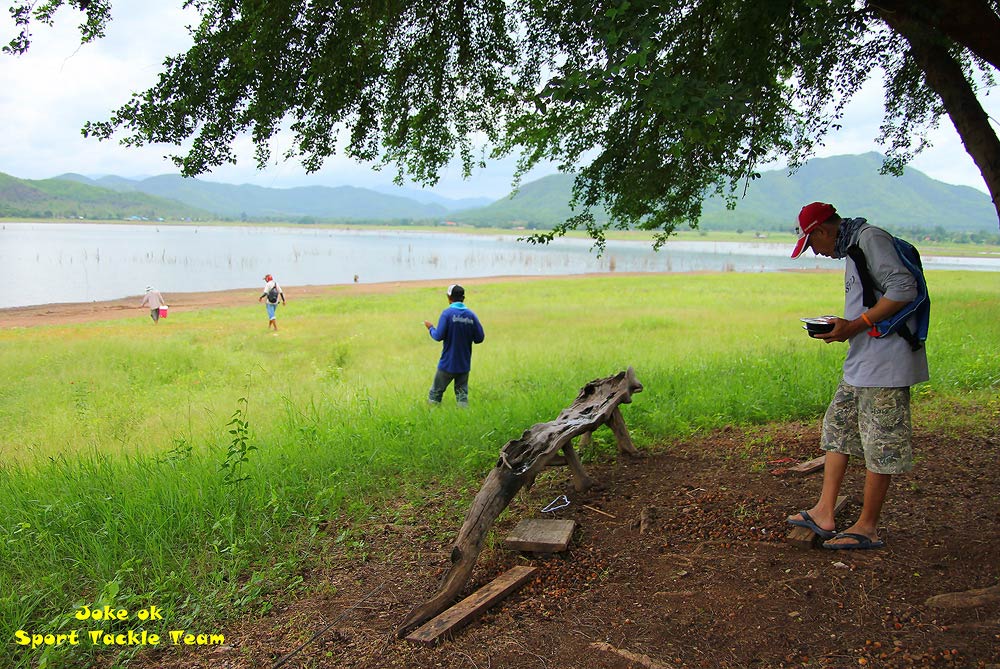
472 606
603 513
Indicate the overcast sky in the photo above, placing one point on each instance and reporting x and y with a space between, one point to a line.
48 94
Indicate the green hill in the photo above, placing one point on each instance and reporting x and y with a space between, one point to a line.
62 198
854 186
539 204
852 183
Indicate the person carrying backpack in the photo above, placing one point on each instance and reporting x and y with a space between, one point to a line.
869 415
273 292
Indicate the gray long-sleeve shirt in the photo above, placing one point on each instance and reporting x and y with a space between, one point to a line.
887 362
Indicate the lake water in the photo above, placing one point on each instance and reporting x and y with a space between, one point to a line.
55 262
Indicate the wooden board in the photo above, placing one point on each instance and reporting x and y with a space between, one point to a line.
471 607
807 467
541 535
803 537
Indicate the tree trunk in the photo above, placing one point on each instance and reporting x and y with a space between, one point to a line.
944 75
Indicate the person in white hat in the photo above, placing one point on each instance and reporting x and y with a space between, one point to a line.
154 301
869 416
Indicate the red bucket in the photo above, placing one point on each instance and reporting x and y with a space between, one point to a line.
163 311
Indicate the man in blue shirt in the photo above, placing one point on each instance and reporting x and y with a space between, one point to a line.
459 328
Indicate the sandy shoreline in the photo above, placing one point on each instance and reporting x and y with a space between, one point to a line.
127 307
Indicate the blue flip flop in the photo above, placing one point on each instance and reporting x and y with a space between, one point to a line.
863 542
810 524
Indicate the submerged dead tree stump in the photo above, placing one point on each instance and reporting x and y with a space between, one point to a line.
521 460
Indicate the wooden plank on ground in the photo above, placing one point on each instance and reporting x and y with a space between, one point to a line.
807 467
471 607
541 535
803 537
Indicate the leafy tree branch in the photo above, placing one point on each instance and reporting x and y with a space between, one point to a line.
655 105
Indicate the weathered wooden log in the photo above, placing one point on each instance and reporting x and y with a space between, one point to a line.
521 460
967 599
622 437
581 481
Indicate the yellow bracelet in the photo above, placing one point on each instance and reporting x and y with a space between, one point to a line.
867 320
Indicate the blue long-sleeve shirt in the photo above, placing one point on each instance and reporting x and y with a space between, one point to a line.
459 328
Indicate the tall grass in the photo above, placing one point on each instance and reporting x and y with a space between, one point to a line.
193 465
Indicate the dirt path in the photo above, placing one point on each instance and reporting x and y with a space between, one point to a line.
712 585
127 307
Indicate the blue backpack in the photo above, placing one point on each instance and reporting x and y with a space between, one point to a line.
920 307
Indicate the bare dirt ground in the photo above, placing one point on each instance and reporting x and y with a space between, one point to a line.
128 307
712 585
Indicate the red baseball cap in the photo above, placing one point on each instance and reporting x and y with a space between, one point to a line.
810 218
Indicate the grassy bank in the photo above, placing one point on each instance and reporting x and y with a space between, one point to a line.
193 465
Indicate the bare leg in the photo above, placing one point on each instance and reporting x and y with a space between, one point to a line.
876 488
834 468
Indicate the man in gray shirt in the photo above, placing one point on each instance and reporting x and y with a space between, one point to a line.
869 415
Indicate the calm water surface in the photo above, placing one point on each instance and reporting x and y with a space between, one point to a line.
55 262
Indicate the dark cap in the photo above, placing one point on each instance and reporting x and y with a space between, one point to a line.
456 292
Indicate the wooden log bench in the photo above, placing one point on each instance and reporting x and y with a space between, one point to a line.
520 462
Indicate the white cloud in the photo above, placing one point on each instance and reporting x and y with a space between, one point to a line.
945 160
48 94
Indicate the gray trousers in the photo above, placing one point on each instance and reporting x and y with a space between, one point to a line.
441 381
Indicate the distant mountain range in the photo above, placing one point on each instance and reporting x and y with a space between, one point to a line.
257 202
852 183
429 197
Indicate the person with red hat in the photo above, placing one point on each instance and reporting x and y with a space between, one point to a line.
869 416
273 292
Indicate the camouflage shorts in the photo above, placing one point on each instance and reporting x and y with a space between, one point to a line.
874 422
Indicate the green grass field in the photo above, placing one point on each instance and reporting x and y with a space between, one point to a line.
194 465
